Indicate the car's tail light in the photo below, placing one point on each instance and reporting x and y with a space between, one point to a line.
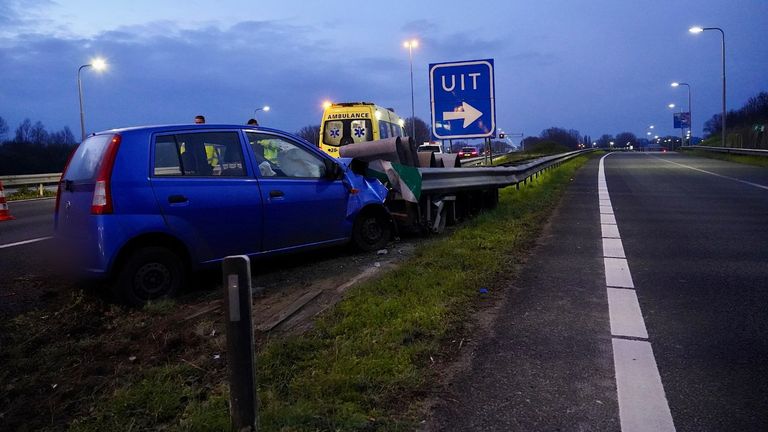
102 192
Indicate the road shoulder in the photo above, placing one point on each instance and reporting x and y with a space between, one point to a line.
545 362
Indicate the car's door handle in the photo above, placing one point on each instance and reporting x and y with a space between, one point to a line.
177 199
276 193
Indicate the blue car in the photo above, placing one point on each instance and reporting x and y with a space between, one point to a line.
146 206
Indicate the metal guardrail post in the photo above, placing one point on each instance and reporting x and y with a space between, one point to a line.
240 344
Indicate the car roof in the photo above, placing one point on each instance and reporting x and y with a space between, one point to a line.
186 126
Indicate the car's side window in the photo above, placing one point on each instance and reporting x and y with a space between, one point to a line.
280 157
201 154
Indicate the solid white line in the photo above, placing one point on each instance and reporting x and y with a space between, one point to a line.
608 219
612 248
715 174
617 273
642 401
624 311
606 210
25 242
643 405
610 230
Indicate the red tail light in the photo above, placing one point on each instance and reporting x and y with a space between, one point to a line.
102 193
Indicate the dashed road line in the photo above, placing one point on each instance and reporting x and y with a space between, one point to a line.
643 404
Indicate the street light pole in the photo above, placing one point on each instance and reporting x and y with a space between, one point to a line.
690 110
98 64
722 34
80 94
411 44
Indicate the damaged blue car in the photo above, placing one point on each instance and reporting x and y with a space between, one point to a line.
145 207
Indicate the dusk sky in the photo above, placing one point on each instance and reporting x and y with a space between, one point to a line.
596 66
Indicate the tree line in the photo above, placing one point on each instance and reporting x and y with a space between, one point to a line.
32 149
749 122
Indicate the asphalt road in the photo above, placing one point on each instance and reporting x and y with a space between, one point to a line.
25 269
695 237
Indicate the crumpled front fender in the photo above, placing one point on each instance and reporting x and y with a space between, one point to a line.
363 190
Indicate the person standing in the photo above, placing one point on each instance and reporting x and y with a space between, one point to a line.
199 119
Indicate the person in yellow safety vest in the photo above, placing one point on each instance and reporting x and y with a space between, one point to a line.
212 155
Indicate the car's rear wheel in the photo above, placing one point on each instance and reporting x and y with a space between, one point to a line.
371 231
149 273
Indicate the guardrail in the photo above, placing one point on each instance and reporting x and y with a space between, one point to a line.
433 179
30 179
439 180
740 151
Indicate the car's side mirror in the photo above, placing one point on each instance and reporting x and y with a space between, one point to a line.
333 170
358 166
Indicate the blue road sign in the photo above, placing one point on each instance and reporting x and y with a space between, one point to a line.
682 120
462 99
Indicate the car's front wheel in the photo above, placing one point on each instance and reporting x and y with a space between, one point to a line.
149 273
371 231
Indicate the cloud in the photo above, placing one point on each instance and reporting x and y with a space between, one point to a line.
17 16
162 73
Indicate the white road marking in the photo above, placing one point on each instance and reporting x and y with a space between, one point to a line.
610 230
617 273
624 311
24 242
608 219
759 186
612 248
643 404
642 401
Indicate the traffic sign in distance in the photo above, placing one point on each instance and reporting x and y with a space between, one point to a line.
462 99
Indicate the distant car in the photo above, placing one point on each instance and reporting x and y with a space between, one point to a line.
427 148
145 206
468 152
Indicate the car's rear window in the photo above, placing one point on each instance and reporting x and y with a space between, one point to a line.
87 159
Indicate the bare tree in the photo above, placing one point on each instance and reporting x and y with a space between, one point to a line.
422 130
310 133
23 131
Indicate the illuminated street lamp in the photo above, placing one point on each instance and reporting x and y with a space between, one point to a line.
98 64
411 44
265 108
671 106
697 30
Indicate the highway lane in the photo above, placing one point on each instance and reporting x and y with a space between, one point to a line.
34 219
695 234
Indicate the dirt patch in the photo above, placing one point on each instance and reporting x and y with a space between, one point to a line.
62 346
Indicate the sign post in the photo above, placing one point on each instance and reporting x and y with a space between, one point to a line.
462 99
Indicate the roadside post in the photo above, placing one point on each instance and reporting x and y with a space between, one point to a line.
238 307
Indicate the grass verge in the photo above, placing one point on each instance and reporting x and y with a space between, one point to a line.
29 193
373 354
760 161
91 366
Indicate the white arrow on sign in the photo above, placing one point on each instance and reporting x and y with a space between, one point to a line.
468 113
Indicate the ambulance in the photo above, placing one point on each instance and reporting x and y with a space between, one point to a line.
356 122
